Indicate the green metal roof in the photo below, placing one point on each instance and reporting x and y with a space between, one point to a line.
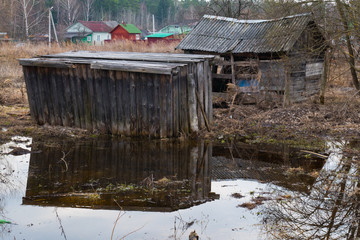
159 35
131 28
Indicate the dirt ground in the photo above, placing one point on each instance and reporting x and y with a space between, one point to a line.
265 122
261 121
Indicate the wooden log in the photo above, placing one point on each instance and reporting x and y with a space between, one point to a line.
192 102
210 104
232 69
184 91
168 108
204 74
199 90
74 96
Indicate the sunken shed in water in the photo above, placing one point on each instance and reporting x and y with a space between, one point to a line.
129 94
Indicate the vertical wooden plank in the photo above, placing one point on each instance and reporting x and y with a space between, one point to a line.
105 81
175 98
86 85
79 89
68 116
210 104
145 89
91 89
232 69
138 102
60 95
169 108
100 118
201 90
30 83
184 115
132 99
113 102
56 95
50 91
41 81
163 100
74 98
192 102
206 87
121 102
151 95
126 103
157 107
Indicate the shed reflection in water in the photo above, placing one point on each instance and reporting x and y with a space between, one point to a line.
136 175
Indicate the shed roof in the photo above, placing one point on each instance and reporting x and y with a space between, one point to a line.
221 34
160 35
96 26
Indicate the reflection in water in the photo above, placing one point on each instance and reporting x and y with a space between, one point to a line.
133 175
329 211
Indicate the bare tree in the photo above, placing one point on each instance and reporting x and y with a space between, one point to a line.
72 10
31 14
88 6
229 8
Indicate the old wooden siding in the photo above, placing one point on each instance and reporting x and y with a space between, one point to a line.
129 98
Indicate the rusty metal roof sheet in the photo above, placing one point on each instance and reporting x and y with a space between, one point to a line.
221 34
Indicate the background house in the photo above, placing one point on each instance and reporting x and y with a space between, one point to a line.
126 31
156 37
176 29
92 32
284 55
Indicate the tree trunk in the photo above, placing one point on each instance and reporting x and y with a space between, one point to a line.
351 57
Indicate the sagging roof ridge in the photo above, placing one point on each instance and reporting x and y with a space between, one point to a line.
228 19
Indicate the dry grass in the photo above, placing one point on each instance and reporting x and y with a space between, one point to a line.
12 87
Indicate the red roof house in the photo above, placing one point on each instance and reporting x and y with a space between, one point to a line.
126 32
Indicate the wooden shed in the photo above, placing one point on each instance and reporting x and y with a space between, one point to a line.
284 55
129 94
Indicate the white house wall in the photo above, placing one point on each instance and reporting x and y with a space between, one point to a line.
99 38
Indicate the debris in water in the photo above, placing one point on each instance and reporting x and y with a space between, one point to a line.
248 205
237 195
193 236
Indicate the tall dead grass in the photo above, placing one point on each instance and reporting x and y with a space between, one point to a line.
12 85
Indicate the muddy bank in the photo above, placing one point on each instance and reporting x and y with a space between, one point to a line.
299 124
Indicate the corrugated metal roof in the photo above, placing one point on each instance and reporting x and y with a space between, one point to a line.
96 26
221 34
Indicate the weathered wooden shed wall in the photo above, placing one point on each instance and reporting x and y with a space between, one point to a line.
129 98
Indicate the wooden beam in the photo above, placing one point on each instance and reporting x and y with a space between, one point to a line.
232 69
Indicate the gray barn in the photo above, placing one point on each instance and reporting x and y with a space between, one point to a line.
284 55
128 94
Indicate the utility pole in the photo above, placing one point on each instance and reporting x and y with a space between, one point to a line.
50 27
153 23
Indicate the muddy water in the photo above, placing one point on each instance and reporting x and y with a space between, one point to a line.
105 189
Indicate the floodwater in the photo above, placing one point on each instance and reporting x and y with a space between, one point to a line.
118 189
